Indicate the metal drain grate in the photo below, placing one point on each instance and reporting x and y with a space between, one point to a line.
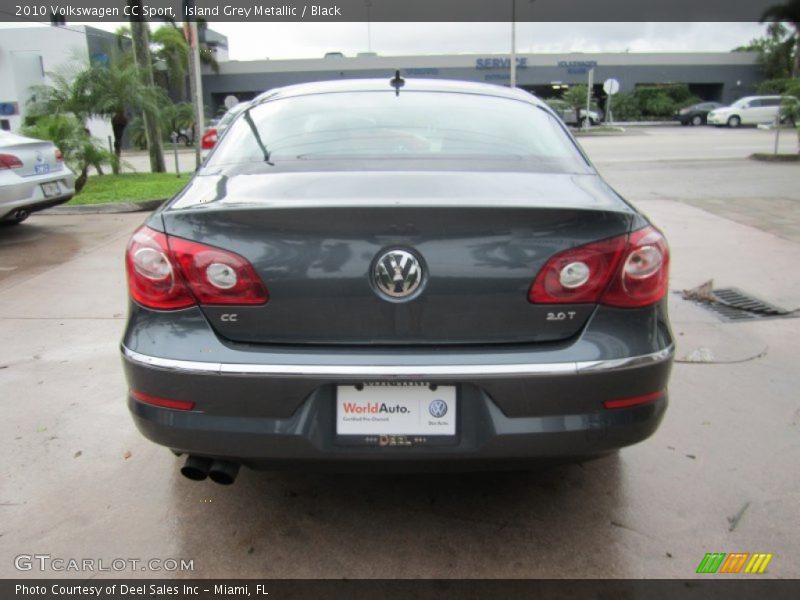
734 305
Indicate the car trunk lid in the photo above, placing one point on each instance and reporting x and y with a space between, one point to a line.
480 239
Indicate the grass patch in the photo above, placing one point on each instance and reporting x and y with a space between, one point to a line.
130 187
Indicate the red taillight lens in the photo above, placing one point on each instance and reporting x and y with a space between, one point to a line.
9 161
644 273
162 402
168 273
627 271
578 275
209 139
59 155
153 280
217 276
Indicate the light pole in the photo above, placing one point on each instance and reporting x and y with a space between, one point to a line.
368 4
513 62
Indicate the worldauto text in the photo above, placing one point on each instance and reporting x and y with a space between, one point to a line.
373 408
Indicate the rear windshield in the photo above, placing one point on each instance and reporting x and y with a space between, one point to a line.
412 124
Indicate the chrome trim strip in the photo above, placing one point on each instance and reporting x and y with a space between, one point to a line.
618 364
396 371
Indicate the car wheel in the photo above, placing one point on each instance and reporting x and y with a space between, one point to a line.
734 121
582 122
697 120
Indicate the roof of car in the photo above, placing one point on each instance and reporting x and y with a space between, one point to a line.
384 84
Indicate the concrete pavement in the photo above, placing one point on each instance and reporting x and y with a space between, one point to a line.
78 481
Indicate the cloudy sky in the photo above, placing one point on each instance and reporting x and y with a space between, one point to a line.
248 41
307 40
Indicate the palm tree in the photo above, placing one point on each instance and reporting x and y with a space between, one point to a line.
173 52
115 88
79 148
65 94
207 57
790 13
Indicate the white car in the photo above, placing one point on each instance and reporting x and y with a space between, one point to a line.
751 110
566 113
33 176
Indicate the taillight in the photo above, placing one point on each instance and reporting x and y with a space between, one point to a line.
626 271
217 276
153 280
9 161
579 274
169 273
643 276
209 139
59 155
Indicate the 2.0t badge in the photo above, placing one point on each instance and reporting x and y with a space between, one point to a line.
397 274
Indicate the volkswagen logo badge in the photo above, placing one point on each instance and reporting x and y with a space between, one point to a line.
438 408
397 274
39 157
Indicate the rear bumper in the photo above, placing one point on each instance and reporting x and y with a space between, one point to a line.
266 406
27 192
485 434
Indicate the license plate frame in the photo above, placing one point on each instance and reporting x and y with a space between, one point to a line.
41 169
51 188
375 416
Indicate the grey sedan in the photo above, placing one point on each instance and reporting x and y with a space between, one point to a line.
390 273
32 177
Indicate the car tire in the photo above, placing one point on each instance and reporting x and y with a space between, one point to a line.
582 122
734 121
697 120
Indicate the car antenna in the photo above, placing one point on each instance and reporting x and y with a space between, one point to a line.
397 82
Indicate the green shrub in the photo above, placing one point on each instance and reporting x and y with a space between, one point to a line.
663 100
775 86
625 107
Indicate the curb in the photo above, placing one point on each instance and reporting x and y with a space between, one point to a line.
110 208
775 158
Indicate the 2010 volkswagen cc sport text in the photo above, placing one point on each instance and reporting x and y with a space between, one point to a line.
391 273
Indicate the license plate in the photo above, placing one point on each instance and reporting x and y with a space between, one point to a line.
396 409
41 169
50 189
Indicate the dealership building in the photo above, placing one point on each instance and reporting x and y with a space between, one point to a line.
28 54
720 76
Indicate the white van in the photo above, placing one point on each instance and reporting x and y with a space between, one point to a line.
751 110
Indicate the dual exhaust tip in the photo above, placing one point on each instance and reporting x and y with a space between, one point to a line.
198 468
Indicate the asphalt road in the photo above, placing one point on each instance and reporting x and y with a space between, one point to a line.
78 481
